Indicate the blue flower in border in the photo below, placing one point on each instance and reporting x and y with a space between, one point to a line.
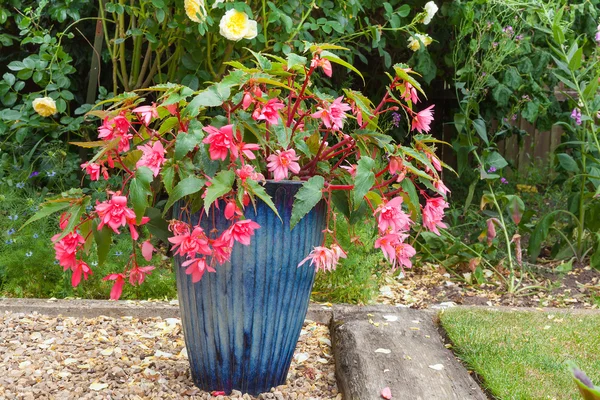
20 185
35 236
29 254
50 174
10 232
13 217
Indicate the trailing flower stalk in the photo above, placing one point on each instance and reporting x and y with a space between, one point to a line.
213 150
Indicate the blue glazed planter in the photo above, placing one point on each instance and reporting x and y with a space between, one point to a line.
241 324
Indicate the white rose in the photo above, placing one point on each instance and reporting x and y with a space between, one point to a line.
217 2
195 10
430 8
235 25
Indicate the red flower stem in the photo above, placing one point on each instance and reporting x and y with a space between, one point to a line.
339 162
394 192
385 183
336 146
340 187
299 98
377 175
381 104
337 153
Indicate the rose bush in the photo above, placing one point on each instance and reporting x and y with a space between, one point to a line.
214 149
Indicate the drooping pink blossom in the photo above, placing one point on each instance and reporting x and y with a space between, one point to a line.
247 150
351 169
441 187
117 127
248 171
410 93
222 248
281 162
422 120
323 258
132 223
66 248
64 220
114 213
242 231
404 252
387 243
147 250
433 212
435 161
197 267
334 114
221 141
138 274
146 113
153 157
270 111
323 63
247 100
117 288
396 164
79 269
92 169
189 244
178 228
232 210
171 108
392 217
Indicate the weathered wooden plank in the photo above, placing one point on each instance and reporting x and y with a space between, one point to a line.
415 345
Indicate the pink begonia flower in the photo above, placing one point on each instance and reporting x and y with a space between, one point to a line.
132 223
282 161
247 149
247 101
171 108
351 169
247 171
64 221
422 120
222 248
439 185
137 275
270 111
410 93
146 113
404 252
323 258
81 268
117 127
357 112
396 164
241 231
153 157
437 164
92 169
66 248
323 63
147 250
392 217
387 244
433 212
179 227
189 244
114 213
117 288
221 141
197 267
231 210
333 114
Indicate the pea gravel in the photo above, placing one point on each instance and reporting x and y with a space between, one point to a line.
45 357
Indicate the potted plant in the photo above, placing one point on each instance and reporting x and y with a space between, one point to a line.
255 168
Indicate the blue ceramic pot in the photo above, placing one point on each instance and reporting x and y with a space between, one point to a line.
241 324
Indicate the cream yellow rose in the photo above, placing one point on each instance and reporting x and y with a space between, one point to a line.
414 44
235 25
195 10
45 106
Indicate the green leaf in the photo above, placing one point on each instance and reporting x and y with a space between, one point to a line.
139 190
341 201
187 186
333 58
283 134
411 198
294 61
539 235
213 96
495 159
575 61
157 225
75 213
186 142
221 184
46 210
168 176
481 130
103 239
307 198
365 178
259 191
567 162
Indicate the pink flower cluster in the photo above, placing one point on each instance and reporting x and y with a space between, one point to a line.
323 258
394 225
195 245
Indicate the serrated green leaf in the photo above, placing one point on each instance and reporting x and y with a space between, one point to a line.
186 142
75 213
257 190
365 179
295 61
307 198
187 186
221 184
46 210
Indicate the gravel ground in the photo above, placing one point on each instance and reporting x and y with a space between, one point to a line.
43 357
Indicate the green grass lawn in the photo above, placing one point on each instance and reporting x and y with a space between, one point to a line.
522 355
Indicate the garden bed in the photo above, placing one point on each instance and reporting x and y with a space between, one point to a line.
48 357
